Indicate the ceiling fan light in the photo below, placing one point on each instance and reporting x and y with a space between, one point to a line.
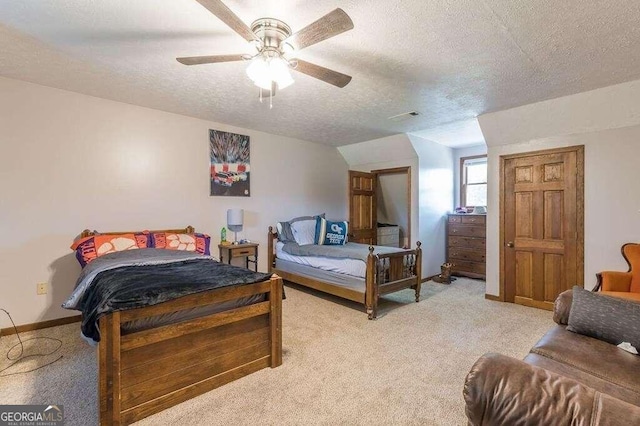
279 72
284 81
257 69
263 83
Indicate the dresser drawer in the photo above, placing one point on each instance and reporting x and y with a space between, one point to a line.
467 230
455 254
473 219
468 242
454 219
241 252
472 267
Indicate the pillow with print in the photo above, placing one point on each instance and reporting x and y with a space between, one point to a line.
330 232
186 242
90 248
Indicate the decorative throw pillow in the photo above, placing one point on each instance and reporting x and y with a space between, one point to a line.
90 248
187 242
331 233
605 318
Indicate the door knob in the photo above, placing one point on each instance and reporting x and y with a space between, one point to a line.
510 244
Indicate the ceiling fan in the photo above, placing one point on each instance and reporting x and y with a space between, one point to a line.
277 46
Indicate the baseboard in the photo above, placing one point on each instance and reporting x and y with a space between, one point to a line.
492 297
424 280
38 325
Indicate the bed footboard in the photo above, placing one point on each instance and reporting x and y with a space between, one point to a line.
385 273
145 372
391 272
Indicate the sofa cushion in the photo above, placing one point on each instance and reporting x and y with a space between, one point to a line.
601 385
606 318
580 356
562 307
504 391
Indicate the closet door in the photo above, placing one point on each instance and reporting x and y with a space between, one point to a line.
542 228
363 221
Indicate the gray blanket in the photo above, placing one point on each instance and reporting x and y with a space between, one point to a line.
348 251
150 256
150 279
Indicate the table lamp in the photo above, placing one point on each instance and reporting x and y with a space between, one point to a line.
235 218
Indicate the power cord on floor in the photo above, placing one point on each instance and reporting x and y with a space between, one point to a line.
21 356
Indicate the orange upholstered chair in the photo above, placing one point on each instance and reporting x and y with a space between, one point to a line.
623 284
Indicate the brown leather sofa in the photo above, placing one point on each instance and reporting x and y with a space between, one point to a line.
566 379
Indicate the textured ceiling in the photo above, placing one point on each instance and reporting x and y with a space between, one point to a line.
451 60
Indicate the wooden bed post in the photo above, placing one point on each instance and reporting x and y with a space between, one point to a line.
109 369
418 270
371 294
275 320
270 256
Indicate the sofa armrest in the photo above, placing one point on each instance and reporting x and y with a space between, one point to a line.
500 390
562 307
614 281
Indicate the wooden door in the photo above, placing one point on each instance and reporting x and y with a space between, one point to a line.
363 222
542 247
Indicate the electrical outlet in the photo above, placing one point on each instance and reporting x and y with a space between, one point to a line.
42 288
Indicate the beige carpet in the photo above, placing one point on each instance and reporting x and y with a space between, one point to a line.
407 367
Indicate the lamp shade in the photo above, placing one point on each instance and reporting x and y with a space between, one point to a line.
235 217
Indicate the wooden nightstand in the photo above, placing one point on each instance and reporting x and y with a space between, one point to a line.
228 252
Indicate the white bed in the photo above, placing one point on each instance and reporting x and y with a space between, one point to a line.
353 267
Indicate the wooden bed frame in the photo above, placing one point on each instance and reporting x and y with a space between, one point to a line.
145 372
385 273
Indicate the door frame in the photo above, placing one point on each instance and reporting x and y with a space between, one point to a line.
579 150
396 171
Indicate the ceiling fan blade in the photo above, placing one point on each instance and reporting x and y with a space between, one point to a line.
321 73
225 14
331 24
198 60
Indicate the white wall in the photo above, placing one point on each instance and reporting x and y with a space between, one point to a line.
459 153
610 107
435 199
612 152
70 162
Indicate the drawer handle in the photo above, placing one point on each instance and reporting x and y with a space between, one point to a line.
455 230
244 252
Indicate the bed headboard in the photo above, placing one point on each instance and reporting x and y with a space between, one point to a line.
188 230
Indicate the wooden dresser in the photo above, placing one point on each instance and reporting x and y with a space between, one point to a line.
466 244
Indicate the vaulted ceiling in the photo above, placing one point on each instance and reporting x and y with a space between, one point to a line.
450 60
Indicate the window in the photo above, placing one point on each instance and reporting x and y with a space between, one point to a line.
473 181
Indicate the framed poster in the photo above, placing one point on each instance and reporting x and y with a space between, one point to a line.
229 161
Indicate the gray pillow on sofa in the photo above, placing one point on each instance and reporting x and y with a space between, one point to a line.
610 319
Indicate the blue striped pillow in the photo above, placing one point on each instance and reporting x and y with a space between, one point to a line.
331 233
